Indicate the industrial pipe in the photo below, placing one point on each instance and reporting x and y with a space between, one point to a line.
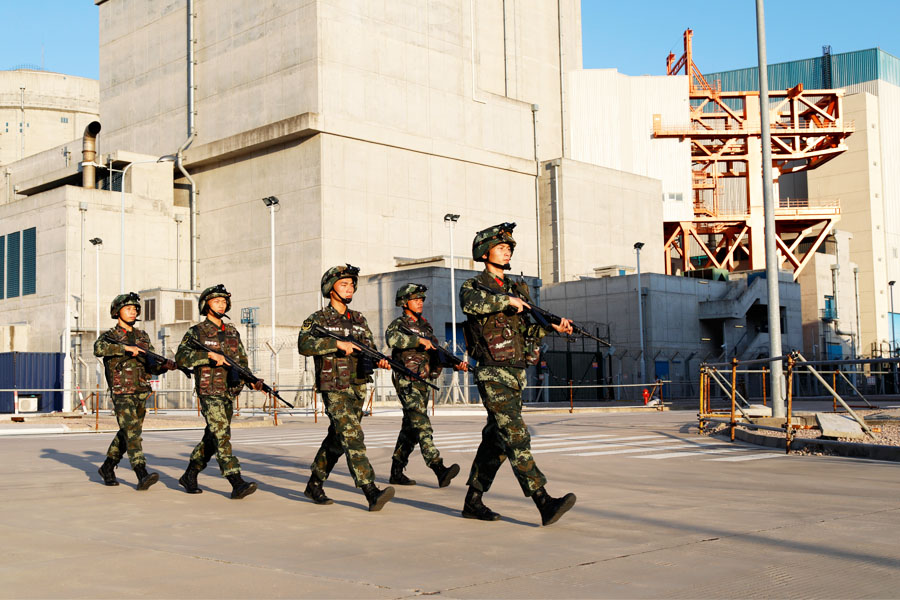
89 155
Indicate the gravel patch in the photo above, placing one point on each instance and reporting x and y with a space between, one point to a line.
885 425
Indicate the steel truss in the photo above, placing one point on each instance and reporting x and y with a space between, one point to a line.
808 130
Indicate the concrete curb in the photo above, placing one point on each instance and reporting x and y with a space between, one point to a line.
833 447
595 409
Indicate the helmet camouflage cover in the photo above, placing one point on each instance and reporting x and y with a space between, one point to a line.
123 300
334 273
490 237
216 291
410 291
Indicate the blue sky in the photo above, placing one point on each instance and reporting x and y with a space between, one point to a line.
633 37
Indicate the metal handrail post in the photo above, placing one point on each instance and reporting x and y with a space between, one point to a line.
734 364
789 431
702 399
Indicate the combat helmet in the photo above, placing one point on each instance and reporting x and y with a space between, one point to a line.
123 300
334 273
216 291
490 237
408 292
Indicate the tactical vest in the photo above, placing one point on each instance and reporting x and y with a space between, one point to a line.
214 381
416 360
126 374
498 339
333 371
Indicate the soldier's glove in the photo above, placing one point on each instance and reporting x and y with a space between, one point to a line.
258 386
170 365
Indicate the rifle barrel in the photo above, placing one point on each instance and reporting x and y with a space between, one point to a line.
545 314
372 353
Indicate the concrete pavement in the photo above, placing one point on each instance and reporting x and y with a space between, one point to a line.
661 513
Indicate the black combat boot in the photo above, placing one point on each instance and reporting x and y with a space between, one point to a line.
315 492
189 480
145 479
397 476
239 487
108 472
474 508
444 474
552 508
377 498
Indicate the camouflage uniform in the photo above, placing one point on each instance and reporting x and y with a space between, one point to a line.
129 383
342 382
216 390
504 343
416 427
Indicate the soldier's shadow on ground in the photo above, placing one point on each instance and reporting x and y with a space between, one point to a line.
89 462
298 471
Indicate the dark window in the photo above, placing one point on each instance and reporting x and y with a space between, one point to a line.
150 309
29 261
2 264
12 265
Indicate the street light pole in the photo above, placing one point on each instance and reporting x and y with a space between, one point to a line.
272 202
166 158
97 242
893 333
893 336
451 220
637 248
774 308
82 208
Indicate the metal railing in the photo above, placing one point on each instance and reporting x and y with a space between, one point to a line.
844 381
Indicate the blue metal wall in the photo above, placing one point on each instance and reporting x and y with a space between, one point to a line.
847 68
28 371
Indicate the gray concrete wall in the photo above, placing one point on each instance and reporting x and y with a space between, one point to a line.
611 125
856 178
602 213
150 253
674 332
55 107
255 64
816 282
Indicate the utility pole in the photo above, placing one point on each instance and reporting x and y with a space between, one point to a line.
451 220
778 409
637 248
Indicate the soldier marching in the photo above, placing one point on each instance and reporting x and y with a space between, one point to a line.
411 338
499 333
124 352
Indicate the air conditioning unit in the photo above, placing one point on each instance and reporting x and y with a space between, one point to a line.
28 403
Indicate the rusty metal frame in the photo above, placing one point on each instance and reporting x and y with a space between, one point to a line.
808 129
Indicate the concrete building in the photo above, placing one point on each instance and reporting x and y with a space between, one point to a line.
686 322
40 110
831 302
369 122
866 178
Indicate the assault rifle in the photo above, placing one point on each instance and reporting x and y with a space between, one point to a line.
446 357
242 373
148 357
375 355
543 317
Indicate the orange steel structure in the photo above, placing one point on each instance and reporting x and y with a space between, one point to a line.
808 130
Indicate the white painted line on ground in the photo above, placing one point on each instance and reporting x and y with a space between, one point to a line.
761 456
599 446
633 450
32 431
691 452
